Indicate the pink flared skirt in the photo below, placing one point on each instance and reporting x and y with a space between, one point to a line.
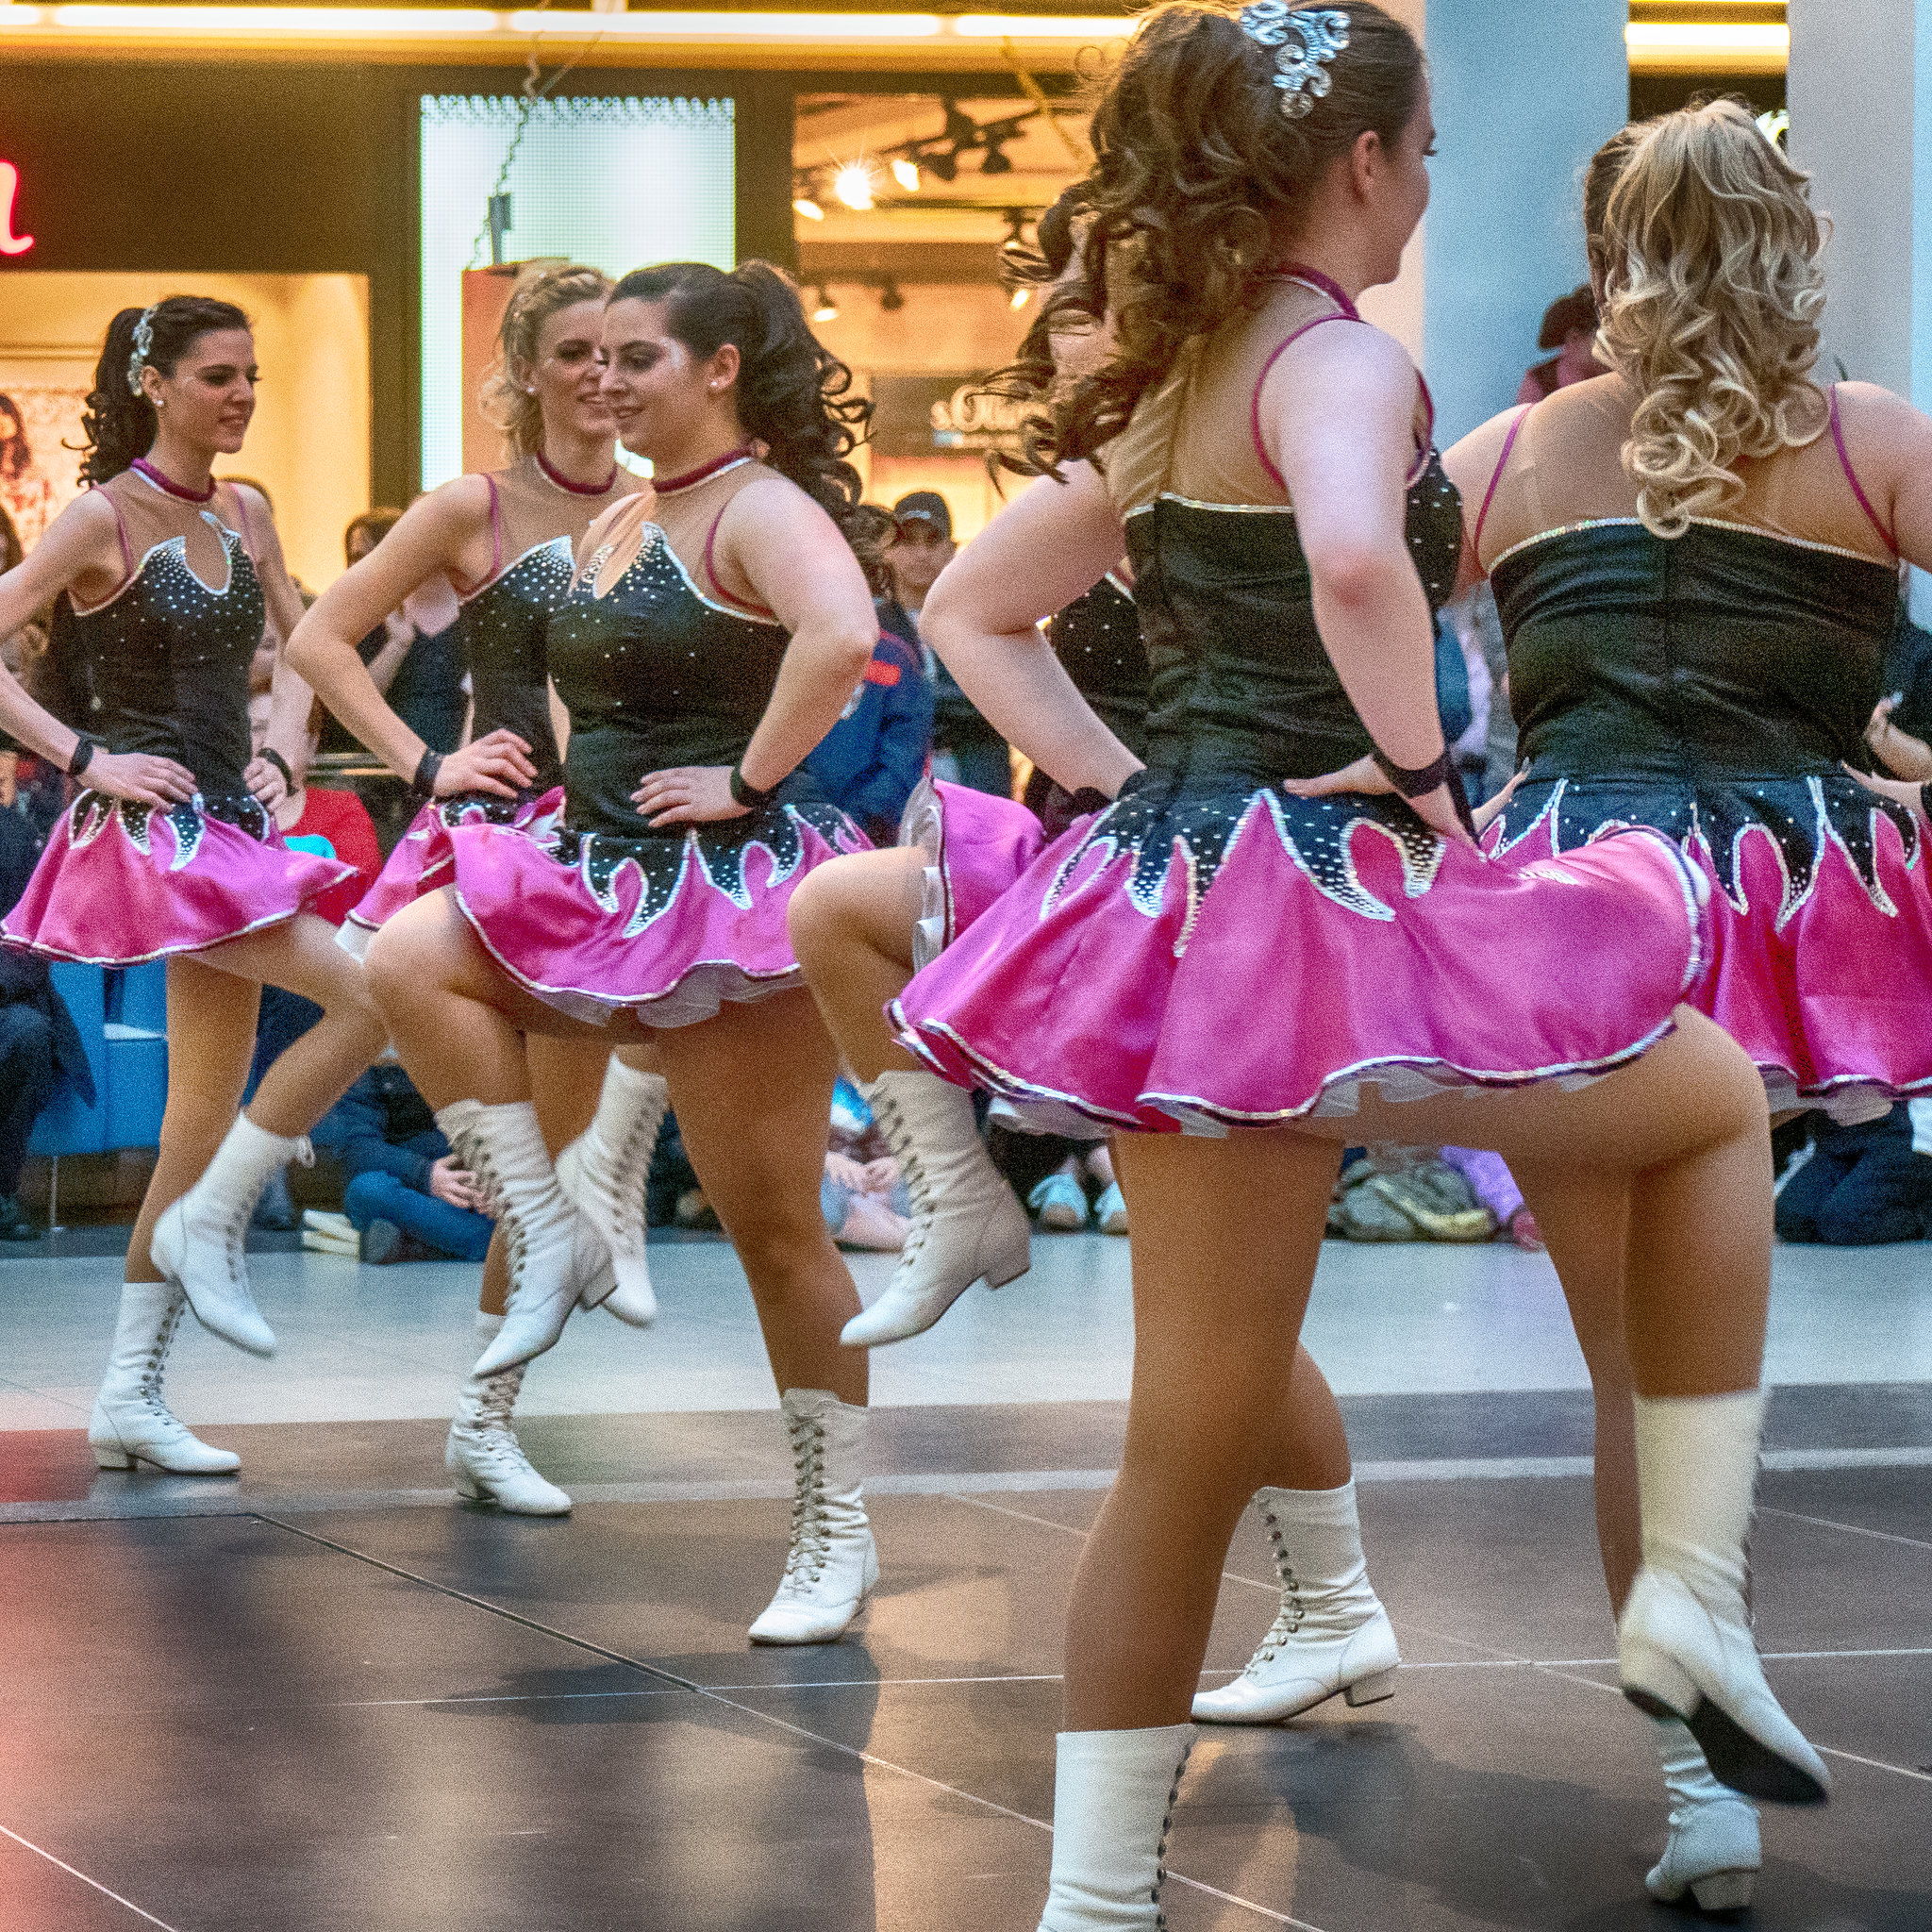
1232 959
667 929
1820 961
975 845
119 884
423 862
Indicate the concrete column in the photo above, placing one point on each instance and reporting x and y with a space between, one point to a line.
1859 88
1525 93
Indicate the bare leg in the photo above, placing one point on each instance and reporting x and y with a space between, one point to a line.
852 923
753 1093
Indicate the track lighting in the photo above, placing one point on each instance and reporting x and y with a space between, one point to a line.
853 185
804 204
891 300
1021 297
826 310
906 173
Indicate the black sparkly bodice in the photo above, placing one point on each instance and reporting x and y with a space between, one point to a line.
1240 690
168 661
1097 639
504 634
1701 685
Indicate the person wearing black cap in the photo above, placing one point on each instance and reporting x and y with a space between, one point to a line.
922 546
1570 329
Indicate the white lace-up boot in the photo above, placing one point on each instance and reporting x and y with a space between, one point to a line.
130 1423
199 1242
557 1258
1713 1851
832 1565
483 1454
1331 1633
603 1170
1113 1798
966 1224
1684 1644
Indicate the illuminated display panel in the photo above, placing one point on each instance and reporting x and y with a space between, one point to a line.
618 182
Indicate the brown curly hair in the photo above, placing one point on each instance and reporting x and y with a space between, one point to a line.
1712 296
1194 165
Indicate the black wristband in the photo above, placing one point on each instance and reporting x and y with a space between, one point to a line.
84 749
1416 781
281 763
428 766
747 795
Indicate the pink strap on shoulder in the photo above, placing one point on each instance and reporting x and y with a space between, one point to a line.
1280 348
1837 440
1475 542
712 575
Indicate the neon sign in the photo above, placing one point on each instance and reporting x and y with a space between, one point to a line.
10 243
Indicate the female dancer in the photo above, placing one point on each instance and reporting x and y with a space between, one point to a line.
169 851
862 923
1212 896
1694 559
507 539
701 655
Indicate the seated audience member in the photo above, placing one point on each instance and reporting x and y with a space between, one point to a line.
861 1196
406 1197
1569 325
39 1041
1860 1186
870 761
965 746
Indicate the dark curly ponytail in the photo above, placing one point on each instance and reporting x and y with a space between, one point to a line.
120 422
795 397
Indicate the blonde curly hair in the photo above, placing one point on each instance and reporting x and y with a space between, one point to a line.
540 294
1707 248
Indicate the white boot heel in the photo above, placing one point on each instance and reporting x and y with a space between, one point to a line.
603 1170
1373 1689
1330 1634
200 1241
1114 1799
1713 1851
1684 1644
484 1458
831 1567
967 1225
130 1423
558 1261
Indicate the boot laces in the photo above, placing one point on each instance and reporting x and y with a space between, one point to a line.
153 1369
622 1189
811 1539
1288 1620
911 1170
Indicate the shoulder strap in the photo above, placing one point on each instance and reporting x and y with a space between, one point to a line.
1475 542
711 575
1274 356
1838 443
121 527
241 517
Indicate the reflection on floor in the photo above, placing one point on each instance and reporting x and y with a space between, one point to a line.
321 1696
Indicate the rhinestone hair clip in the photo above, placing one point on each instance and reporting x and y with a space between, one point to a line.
1318 35
144 348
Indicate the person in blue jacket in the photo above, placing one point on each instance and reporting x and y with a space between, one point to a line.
870 761
407 1196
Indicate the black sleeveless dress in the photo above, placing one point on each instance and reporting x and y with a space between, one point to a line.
1711 686
501 633
167 658
609 915
1212 951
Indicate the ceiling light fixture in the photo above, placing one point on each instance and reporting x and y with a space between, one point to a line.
826 310
906 173
804 204
852 184
1021 297
891 299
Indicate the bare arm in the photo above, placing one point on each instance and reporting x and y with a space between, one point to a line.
792 556
293 701
1051 543
437 535
81 546
1338 415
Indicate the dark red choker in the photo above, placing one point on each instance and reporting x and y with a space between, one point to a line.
564 482
740 454
169 486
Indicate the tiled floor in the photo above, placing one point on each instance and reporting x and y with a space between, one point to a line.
319 1696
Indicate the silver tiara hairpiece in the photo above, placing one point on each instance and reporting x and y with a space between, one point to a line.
1318 36
144 348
